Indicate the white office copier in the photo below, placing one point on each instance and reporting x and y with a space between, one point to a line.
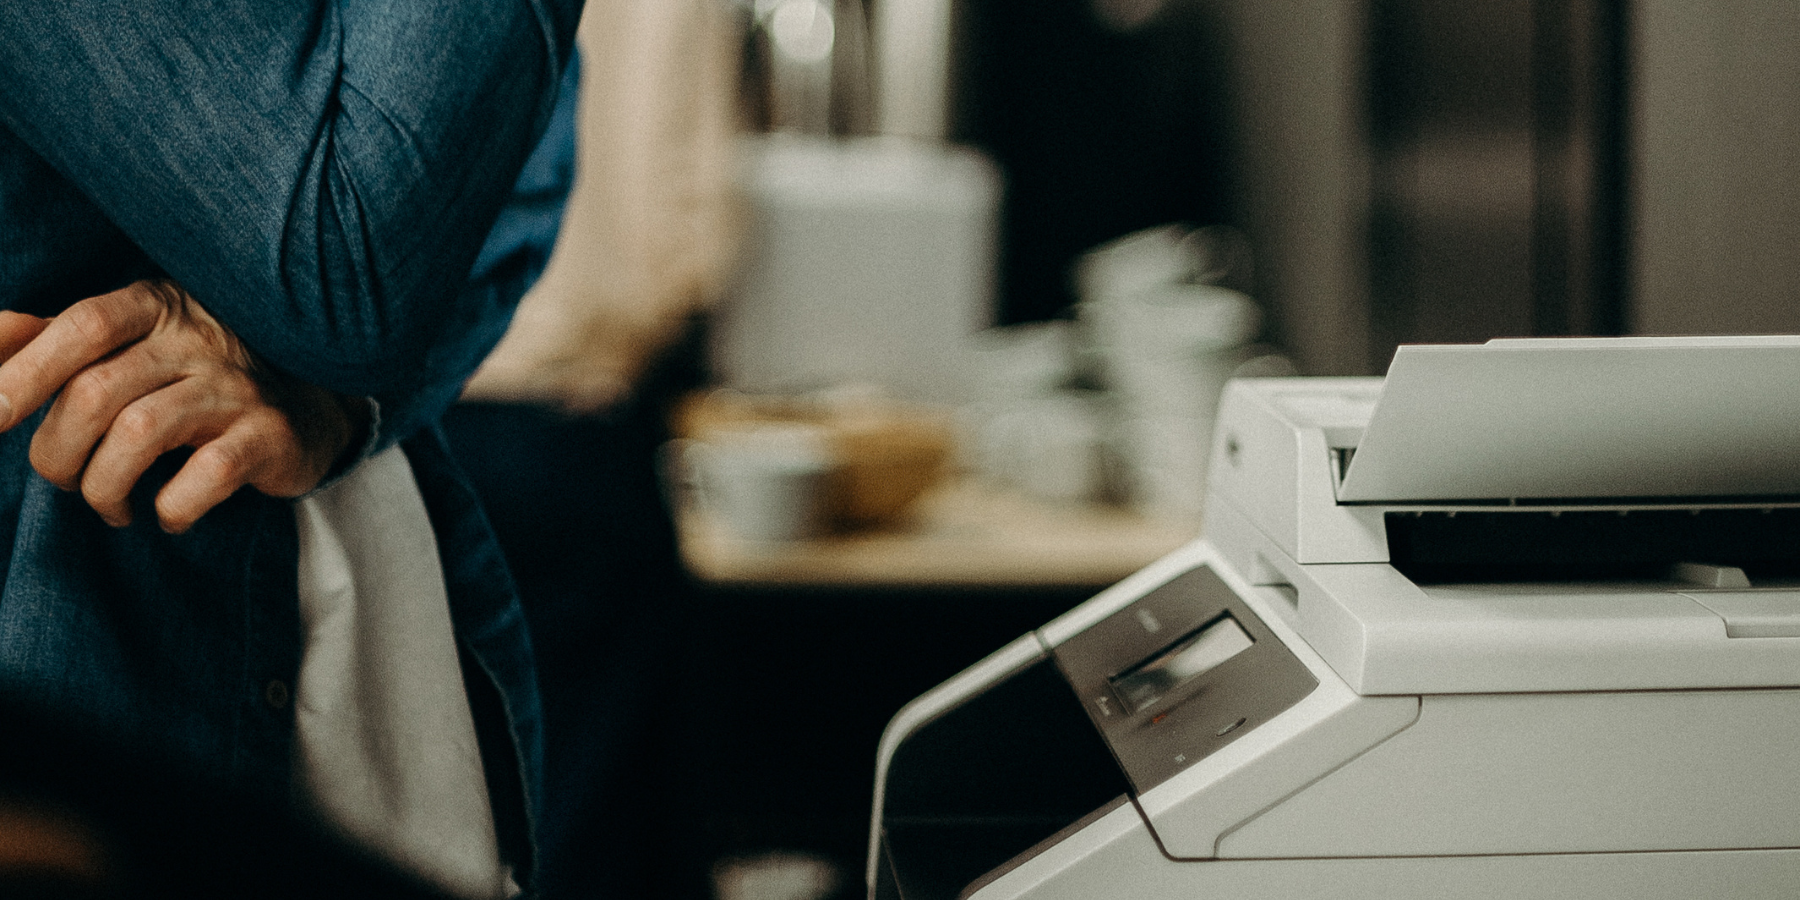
1520 620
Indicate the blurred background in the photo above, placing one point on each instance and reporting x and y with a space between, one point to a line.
882 331
879 333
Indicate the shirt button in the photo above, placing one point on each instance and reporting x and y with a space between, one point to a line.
275 693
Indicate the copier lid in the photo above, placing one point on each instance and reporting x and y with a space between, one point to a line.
1583 419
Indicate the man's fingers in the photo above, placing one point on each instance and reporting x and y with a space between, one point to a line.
176 416
145 370
75 339
215 471
92 404
16 330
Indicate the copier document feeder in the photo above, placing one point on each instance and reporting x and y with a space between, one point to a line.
1521 619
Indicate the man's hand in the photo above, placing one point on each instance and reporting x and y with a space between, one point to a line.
145 370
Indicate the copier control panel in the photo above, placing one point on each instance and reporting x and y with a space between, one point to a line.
1181 672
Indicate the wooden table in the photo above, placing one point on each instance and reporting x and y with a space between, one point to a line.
961 534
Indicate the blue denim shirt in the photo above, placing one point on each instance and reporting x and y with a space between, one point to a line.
322 176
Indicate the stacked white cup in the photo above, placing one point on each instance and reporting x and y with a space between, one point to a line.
1166 341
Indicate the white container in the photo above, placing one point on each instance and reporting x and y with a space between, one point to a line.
767 483
866 261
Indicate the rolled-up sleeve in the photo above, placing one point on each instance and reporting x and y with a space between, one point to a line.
320 175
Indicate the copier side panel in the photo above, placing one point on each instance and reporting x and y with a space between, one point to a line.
1275 456
1272 456
1128 868
1555 773
1255 462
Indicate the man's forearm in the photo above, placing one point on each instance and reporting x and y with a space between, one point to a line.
320 175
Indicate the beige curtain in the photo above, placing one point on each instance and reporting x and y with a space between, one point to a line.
647 237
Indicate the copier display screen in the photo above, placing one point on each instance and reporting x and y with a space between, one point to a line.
1196 654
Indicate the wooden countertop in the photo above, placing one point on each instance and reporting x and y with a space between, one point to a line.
960 534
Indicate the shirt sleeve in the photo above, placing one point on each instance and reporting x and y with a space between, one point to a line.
320 175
